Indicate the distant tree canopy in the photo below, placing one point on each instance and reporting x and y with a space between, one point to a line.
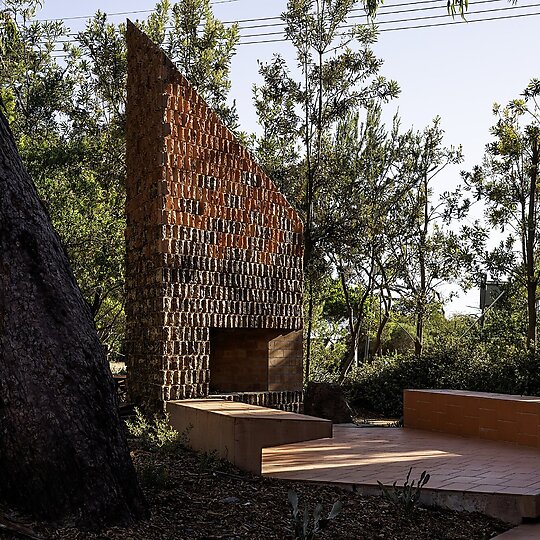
67 113
507 183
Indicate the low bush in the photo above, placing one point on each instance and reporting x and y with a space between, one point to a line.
156 434
378 384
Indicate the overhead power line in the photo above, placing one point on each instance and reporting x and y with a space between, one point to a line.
377 21
412 19
504 17
282 37
384 11
282 23
381 10
122 13
415 27
76 17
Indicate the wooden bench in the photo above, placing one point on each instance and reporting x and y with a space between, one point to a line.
238 432
497 417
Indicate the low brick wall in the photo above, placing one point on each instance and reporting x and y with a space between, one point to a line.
291 401
497 417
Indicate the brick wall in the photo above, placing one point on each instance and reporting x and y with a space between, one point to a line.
211 243
284 367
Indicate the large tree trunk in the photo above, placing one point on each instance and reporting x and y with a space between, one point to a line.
63 451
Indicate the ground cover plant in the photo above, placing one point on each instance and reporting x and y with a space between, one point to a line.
192 496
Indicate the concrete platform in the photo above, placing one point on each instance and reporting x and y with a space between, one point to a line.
498 479
238 432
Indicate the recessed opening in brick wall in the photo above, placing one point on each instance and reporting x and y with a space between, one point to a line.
255 360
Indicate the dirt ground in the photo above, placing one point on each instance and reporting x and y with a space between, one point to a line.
195 496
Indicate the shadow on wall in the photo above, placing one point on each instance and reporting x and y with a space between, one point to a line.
255 360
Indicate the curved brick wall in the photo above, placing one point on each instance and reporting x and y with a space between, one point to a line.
211 243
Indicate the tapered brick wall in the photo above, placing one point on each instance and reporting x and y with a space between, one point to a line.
211 243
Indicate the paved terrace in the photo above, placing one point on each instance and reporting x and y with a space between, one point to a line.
500 479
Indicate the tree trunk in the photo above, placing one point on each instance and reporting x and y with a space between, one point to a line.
63 451
380 330
308 333
422 300
419 338
532 281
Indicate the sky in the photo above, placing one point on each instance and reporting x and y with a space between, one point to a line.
456 71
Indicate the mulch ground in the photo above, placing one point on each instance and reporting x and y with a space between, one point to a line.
194 496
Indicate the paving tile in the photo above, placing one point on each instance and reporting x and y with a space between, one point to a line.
365 456
523 532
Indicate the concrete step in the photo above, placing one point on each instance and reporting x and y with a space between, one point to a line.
238 432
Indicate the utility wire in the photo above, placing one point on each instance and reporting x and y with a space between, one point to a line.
414 27
283 23
381 9
394 21
441 6
351 17
521 15
121 13
411 19
91 16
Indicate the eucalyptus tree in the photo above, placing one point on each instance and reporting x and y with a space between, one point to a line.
337 72
430 253
362 215
507 184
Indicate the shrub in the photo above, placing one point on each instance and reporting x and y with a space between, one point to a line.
378 385
156 434
154 475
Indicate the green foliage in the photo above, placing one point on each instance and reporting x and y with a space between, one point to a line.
307 526
483 363
156 435
154 475
405 497
378 385
300 108
328 331
338 74
201 47
507 184
68 119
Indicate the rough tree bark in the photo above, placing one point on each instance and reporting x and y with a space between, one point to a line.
63 451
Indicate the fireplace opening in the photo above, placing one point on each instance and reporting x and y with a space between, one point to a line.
255 360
